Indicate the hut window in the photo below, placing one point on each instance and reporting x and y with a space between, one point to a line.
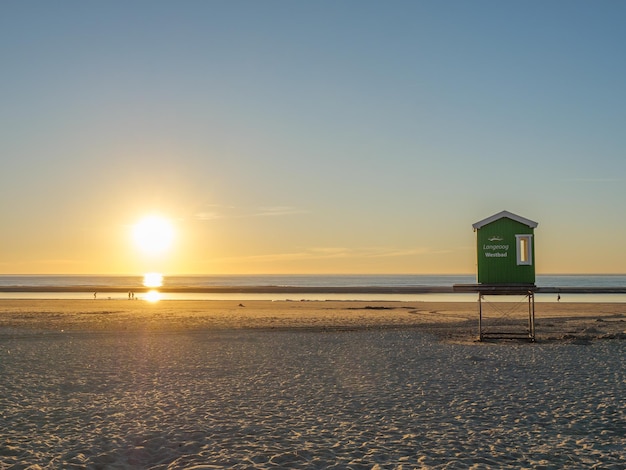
524 249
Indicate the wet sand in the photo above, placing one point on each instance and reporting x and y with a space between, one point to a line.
184 385
452 320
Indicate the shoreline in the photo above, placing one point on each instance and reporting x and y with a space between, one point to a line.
275 289
237 289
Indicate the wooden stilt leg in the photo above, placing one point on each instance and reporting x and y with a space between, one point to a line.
480 317
531 316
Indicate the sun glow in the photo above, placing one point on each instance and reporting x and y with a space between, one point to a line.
153 234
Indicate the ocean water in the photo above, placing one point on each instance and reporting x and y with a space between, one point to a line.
201 281
303 280
99 282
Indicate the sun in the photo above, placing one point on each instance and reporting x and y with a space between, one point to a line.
153 234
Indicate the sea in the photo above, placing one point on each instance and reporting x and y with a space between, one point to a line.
87 286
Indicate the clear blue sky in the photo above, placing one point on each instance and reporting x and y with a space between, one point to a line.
321 136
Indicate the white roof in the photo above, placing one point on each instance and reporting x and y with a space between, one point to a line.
504 214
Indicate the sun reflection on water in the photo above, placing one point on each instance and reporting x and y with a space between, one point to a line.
153 280
153 296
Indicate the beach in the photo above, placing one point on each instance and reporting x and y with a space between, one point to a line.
260 384
456 321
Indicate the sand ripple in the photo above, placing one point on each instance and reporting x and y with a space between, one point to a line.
307 399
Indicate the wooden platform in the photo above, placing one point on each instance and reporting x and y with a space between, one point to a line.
495 289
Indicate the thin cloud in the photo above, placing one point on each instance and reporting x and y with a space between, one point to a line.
394 252
213 212
60 261
594 180
232 212
275 211
324 253
312 254
206 215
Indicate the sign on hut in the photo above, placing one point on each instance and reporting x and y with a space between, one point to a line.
506 266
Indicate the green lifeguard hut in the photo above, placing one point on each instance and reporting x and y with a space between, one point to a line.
505 248
506 266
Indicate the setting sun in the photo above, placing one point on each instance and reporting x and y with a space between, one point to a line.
153 234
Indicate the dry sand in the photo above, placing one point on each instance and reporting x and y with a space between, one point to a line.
212 384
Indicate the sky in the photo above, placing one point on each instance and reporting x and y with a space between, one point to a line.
283 136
